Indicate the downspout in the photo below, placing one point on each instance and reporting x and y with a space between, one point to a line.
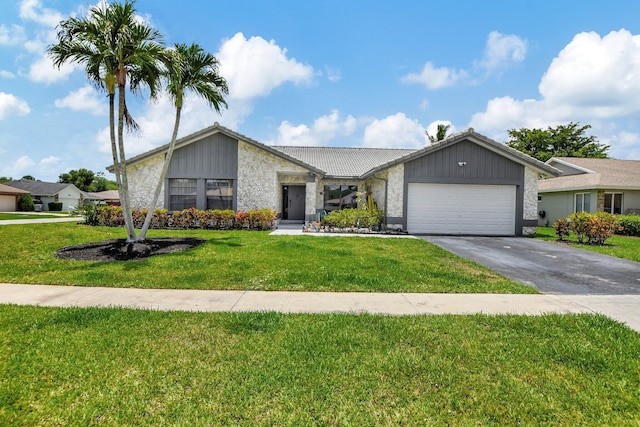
386 195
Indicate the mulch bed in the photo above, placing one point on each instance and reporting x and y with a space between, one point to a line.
120 250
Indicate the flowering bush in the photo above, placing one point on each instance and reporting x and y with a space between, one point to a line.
261 219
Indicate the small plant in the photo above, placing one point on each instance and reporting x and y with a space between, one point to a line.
25 204
580 225
91 214
601 226
562 228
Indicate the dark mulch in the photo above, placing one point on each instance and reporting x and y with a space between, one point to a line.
120 250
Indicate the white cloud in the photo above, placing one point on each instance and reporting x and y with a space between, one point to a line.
592 78
435 78
11 36
322 132
32 10
12 105
502 50
19 167
624 145
7 74
43 71
432 129
84 99
333 74
255 67
397 131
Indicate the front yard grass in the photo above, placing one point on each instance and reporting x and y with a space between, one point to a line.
249 260
7 216
626 247
73 366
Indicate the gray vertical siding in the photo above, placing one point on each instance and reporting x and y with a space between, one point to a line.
213 157
482 166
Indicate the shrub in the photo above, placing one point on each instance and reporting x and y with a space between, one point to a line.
55 206
25 204
91 214
580 225
629 225
601 226
562 228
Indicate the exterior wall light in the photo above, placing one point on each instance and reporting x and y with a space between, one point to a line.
462 164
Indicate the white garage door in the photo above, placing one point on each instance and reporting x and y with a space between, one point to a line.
461 209
7 203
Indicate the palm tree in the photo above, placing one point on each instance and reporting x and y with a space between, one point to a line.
441 133
116 50
188 68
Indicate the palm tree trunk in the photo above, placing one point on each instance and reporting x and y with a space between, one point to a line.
126 205
163 173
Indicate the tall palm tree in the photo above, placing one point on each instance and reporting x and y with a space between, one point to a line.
117 51
441 133
188 68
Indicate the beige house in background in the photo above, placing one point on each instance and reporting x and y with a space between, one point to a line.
590 185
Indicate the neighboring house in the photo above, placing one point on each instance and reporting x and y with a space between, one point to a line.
110 197
68 194
590 185
9 197
466 184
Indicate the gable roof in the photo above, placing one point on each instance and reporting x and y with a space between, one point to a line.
353 162
597 174
7 189
39 188
344 162
483 141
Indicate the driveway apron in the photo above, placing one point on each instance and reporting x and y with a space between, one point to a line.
550 267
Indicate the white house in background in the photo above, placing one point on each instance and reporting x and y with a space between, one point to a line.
67 194
590 185
466 184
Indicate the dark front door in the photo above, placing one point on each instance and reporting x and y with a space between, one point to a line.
293 202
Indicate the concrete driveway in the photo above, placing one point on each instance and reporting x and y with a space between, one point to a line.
550 267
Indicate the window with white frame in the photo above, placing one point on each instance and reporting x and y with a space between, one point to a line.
582 202
613 203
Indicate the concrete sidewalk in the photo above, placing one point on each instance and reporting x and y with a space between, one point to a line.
624 308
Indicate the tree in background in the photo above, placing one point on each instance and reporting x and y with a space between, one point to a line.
562 141
87 180
118 51
4 179
189 68
441 133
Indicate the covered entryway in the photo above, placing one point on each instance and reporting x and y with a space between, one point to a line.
461 209
293 200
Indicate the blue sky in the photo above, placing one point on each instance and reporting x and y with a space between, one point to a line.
336 73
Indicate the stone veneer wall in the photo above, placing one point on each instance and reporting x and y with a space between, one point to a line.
143 178
530 208
258 183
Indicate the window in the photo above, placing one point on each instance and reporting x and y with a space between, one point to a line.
219 193
583 202
613 203
182 194
339 197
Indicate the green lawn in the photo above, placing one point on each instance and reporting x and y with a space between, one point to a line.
249 260
132 367
7 216
618 246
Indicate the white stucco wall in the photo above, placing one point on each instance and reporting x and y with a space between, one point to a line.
258 182
143 177
530 202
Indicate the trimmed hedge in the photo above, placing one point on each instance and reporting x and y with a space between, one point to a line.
55 206
629 225
112 216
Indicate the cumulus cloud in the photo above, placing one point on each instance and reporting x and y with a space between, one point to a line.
7 74
432 129
43 71
433 77
19 167
84 99
11 36
32 10
254 67
592 78
501 51
397 131
12 105
323 130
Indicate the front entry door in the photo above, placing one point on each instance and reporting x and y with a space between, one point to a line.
293 202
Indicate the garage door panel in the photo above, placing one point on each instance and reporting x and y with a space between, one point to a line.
7 203
461 209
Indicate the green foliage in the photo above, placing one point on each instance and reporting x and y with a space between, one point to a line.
55 206
629 225
25 204
562 227
260 219
87 180
366 215
90 213
580 225
441 133
4 179
561 141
